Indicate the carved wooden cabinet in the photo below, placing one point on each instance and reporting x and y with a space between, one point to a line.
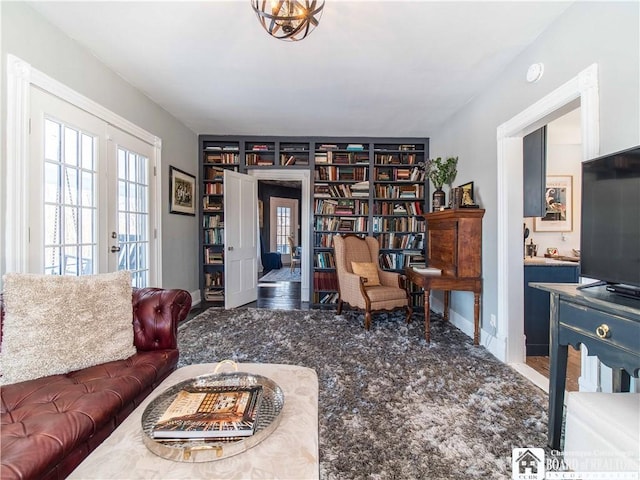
454 245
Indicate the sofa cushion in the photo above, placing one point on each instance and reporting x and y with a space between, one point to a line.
58 324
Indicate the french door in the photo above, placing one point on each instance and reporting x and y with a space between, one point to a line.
89 194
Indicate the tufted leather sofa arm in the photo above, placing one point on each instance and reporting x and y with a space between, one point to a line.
156 313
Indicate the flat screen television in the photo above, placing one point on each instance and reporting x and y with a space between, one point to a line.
610 232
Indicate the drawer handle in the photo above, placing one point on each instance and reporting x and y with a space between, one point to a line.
603 331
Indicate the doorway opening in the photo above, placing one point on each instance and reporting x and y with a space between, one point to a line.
556 239
283 214
582 90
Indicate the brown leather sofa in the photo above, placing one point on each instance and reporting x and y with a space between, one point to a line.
49 425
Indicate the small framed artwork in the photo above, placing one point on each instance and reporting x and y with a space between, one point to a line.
558 205
182 192
467 194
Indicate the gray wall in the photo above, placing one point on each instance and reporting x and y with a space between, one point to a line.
30 37
605 33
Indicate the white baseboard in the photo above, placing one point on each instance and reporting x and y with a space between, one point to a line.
195 298
495 344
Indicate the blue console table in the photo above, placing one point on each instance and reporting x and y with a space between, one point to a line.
606 323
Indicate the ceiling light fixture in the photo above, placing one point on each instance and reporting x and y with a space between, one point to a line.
290 20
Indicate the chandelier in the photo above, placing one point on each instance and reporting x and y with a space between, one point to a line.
290 20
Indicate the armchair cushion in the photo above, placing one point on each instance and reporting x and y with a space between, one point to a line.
56 324
368 270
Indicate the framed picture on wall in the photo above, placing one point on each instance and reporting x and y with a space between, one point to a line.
558 205
182 192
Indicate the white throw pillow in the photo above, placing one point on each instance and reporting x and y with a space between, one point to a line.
58 324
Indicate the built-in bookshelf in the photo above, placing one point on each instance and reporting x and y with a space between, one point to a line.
399 203
216 157
367 186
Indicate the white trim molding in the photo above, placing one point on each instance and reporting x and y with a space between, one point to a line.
21 76
17 198
582 91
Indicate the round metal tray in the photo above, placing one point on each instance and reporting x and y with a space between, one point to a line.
215 449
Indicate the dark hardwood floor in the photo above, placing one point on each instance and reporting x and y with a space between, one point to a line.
271 295
279 296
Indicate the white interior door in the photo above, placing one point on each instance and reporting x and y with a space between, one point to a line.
240 239
89 194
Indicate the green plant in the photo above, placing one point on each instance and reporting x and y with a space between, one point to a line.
442 171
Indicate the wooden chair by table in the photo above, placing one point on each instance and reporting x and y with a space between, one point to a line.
362 284
295 254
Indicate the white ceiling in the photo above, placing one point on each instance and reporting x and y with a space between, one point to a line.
371 68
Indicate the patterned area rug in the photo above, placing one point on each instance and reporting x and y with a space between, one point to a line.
390 406
283 275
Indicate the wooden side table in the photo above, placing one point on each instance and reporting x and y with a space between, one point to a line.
447 283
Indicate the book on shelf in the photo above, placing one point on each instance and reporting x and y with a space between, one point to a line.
211 412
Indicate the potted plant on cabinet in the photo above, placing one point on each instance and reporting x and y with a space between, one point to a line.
440 172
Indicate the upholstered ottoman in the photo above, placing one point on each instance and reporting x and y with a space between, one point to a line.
602 432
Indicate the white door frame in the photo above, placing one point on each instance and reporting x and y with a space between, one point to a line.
21 76
581 90
303 176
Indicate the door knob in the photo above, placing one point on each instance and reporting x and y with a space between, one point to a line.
115 249
230 248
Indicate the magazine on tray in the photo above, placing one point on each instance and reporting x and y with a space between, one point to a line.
210 412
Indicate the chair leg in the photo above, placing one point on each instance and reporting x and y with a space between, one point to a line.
367 320
339 307
409 313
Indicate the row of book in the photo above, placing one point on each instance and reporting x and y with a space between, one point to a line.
323 240
221 157
212 204
401 241
227 148
399 191
213 256
213 236
214 188
324 260
325 281
212 221
342 190
214 279
398 261
259 160
213 173
400 174
342 224
326 298
340 207
404 224
397 208
342 158
395 158
214 295
347 174
287 159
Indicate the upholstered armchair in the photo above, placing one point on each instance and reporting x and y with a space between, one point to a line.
362 284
